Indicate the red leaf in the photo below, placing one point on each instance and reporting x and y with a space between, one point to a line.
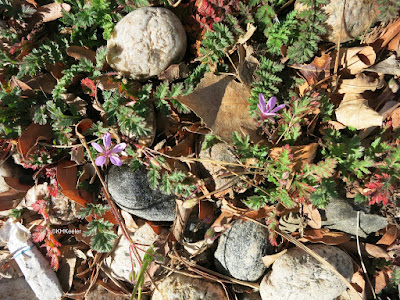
39 234
40 206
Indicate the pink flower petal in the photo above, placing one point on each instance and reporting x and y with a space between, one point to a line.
271 103
115 160
118 148
97 147
107 140
279 107
261 100
100 160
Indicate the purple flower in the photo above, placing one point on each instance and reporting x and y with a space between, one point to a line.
268 110
106 153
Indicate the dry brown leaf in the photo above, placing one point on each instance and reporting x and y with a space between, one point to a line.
7 199
31 136
44 82
222 104
396 118
79 52
360 84
301 154
366 249
336 125
391 234
356 59
381 280
388 66
388 35
317 70
249 33
326 236
313 215
354 111
268 260
394 44
51 12
16 185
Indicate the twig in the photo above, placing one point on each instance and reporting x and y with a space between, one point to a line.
361 258
111 203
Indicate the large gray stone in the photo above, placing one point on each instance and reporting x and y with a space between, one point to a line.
240 251
296 275
16 288
177 287
145 42
131 192
341 215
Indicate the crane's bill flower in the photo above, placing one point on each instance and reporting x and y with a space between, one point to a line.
106 153
267 109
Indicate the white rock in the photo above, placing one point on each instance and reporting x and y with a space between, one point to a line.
177 287
120 261
36 269
296 275
145 42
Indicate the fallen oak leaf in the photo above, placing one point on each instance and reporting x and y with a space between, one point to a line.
354 111
360 84
355 59
222 104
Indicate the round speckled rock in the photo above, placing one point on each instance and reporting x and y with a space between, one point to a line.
131 192
145 42
359 15
240 251
296 275
178 287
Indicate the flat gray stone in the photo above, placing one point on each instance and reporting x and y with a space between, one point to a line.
299 276
240 251
16 288
341 215
131 192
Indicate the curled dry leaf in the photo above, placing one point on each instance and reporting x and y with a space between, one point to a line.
366 249
354 111
79 52
67 179
16 185
222 104
360 84
314 217
268 260
326 236
31 136
8 198
356 59
396 118
51 12
391 234
388 66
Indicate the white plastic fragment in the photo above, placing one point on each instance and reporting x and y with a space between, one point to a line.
36 269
